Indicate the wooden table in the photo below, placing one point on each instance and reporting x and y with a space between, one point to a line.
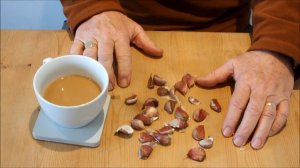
197 53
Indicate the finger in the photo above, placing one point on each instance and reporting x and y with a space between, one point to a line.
105 57
217 76
237 105
123 56
142 41
250 118
264 125
281 117
77 47
91 51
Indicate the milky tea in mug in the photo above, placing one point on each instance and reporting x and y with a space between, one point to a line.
71 90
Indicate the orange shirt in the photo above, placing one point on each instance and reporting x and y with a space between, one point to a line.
275 22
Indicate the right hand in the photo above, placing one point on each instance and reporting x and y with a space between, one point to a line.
113 32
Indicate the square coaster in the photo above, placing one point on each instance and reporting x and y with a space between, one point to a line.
89 135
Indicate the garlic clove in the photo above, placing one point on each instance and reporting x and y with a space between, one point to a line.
166 130
124 131
178 124
145 150
193 100
215 105
150 102
181 87
198 132
197 154
150 84
131 100
146 137
158 81
173 96
137 124
189 80
145 119
162 91
206 143
169 106
151 112
199 115
162 139
180 113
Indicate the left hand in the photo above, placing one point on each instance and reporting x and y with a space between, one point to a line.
264 83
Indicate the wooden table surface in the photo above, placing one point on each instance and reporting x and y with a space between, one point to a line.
197 53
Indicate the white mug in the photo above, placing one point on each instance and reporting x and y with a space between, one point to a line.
71 116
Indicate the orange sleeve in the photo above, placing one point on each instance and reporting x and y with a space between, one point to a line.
78 11
276 27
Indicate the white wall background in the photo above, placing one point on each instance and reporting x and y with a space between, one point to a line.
31 14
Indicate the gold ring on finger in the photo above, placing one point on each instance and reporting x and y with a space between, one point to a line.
271 104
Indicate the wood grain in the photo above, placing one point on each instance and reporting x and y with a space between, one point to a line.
197 53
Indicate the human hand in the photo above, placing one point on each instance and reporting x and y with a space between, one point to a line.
264 83
113 32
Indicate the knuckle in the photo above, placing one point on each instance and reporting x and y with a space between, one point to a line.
105 59
268 114
138 29
237 105
253 111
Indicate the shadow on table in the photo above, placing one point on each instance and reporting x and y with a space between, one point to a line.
50 145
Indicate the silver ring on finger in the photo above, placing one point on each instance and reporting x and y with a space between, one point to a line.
90 44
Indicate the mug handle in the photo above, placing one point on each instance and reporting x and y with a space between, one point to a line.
46 60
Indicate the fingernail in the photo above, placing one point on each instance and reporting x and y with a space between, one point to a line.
238 141
123 82
227 132
256 143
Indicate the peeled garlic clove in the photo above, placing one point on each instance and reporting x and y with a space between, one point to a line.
151 112
124 130
189 80
158 81
193 100
178 124
169 106
181 87
162 91
131 100
180 113
137 124
150 102
198 132
146 120
197 154
146 137
215 105
150 84
166 130
145 151
199 115
206 143
162 139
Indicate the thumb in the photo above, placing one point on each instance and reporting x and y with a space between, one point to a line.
142 41
217 76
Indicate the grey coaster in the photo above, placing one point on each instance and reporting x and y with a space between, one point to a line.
89 135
